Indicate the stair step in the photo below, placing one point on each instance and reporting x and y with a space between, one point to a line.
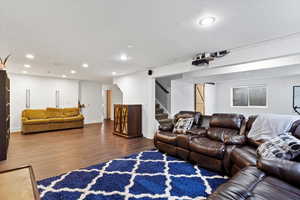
161 116
157 105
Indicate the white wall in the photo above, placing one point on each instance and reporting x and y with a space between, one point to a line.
210 99
182 96
117 98
279 91
42 93
91 96
139 88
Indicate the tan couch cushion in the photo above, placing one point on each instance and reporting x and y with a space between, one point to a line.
76 118
36 121
70 112
34 114
56 120
54 112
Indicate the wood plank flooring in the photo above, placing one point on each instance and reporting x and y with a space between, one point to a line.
54 153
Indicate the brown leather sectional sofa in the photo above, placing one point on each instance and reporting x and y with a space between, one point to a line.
220 143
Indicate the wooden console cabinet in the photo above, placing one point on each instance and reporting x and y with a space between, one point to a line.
4 114
128 120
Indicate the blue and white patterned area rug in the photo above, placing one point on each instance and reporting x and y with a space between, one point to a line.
146 175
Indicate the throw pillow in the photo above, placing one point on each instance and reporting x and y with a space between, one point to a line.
183 124
284 146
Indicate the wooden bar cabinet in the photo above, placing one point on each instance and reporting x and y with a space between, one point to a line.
128 120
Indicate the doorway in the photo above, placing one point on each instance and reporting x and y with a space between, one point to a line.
108 104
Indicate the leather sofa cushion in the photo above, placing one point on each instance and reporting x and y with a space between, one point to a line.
166 137
71 119
220 134
183 141
56 120
288 171
206 162
208 147
196 131
167 148
252 183
54 113
36 121
231 121
34 114
274 189
296 129
70 112
244 156
166 127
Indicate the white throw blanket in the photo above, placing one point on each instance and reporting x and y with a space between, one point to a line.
267 126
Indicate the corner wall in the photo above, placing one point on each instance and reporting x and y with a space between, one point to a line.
91 96
139 88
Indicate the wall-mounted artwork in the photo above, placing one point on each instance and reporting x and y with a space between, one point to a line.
249 96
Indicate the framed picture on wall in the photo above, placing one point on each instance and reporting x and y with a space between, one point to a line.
249 97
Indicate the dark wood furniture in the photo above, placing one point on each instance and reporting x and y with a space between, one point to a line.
4 114
128 120
19 183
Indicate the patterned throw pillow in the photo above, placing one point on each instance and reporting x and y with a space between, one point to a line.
183 124
284 146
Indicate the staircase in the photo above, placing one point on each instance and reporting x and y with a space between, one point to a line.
160 115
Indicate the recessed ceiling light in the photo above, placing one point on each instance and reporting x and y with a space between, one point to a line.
124 57
85 65
24 72
130 46
64 76
73 72
206 21
27 66
114 73
29 56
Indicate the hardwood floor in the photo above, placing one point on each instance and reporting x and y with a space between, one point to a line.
54 153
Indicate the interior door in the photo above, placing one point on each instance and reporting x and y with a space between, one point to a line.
200 98
108 104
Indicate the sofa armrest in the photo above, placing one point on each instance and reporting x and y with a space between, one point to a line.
24 119
286 170
166 127
234 140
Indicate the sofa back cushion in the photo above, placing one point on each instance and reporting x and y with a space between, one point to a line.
34 114
188 114
70 112
220 134
204 121
54 112
230 121
295 129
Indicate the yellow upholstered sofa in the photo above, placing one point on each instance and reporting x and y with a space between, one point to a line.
38 120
